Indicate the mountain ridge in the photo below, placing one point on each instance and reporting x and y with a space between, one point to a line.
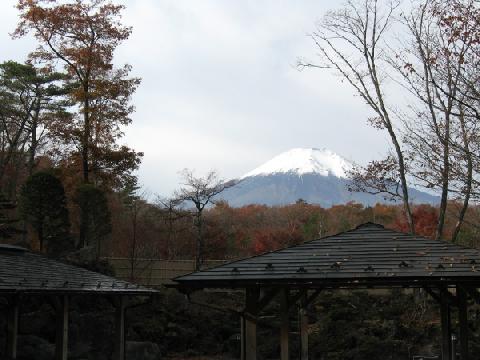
315 175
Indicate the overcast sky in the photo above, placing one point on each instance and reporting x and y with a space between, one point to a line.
220 89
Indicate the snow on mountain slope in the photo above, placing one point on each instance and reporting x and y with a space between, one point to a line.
304 161
318 176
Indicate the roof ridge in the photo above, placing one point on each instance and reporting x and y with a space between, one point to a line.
283 248
12 248
441 241
369 224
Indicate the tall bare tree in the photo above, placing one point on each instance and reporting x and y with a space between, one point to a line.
171 212
201 191
350 42
434 60
459 23
431 70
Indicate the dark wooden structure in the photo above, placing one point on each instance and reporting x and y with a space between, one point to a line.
24 273
368 256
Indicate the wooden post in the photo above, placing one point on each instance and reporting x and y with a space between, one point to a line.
446 326
284 325
61 334
453 356
119 337
12 327
463 321
251 309
303 325
242 337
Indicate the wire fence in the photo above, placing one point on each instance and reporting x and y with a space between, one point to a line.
154 272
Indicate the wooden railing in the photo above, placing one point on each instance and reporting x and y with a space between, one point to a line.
154 272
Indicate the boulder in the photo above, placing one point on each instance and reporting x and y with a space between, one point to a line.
138 350
34 347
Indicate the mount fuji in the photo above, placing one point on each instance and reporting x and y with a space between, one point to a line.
318 176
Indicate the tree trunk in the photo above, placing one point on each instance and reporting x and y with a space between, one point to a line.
199 257
468 181
33 139
40 237
383 112
169 237
134 243
86 135
85 168
445 181
403 181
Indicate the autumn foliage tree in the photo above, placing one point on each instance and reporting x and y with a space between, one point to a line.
82 35
426 217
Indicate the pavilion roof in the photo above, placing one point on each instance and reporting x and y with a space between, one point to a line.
22 271
369 255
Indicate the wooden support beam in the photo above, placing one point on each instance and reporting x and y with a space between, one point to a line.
312 297
242 338
473 293
433 294
267 298
284 325
119 336
12 327
303 325
263 300
446 327
453 347
452 299
251 307
463 321
61 334
294 298
449 297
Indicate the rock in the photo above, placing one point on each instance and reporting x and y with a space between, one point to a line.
137 350
80 350
34 347
39 322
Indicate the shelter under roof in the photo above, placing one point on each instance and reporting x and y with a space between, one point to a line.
22 271
26 274
369 255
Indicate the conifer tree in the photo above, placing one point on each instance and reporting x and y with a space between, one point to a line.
43 206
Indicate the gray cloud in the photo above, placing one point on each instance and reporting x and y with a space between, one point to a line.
220 90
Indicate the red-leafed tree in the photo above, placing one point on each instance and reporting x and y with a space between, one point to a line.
426 217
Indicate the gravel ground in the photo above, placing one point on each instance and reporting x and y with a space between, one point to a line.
199 358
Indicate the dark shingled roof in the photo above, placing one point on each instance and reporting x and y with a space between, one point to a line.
368 255
22 271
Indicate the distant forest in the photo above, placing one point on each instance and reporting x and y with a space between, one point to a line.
68 183
238 232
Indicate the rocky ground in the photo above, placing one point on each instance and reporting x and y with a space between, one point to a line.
198 358
345 326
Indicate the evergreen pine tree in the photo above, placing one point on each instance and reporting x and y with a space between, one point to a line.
43 206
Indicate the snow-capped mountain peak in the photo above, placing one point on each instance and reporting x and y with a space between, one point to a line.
304 161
